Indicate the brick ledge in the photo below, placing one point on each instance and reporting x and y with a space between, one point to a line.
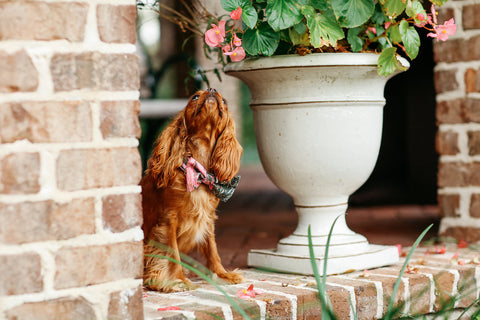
432 278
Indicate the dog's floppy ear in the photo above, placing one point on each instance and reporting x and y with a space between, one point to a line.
167 156
225 160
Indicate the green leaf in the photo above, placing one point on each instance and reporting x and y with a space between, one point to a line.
324 30
410 39
300 28
283 14
387 62
299 38
414 8
352 13
438 2
394 34
393 8
249 16
356 43
319 4
230 5
260 40
378 16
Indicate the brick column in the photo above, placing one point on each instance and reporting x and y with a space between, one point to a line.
457 81
70 207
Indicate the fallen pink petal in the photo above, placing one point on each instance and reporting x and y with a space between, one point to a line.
169 308
462 244
248 293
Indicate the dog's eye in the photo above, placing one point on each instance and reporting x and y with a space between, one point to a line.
224 102
195 97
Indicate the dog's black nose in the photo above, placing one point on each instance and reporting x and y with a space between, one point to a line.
211 90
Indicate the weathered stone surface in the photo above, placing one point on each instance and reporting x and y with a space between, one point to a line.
39 20
49 121
20 274
470 14
458 174
20 173
95 71
447 143
46 220
96 168
120 119
17 72
66 308
116 23
126 304
445 80
449 204
122 212
83 266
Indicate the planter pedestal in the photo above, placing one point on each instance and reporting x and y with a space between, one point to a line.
318 124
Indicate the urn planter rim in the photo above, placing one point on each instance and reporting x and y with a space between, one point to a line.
309 60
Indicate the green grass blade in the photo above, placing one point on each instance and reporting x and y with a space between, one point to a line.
390 308
206 278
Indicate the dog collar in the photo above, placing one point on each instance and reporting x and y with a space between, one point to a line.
196 174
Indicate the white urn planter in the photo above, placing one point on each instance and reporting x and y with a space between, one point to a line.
318 124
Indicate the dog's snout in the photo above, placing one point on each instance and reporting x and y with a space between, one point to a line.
211 90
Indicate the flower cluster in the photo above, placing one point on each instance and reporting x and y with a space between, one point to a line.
216 37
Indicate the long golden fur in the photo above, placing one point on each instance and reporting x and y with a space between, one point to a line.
174 217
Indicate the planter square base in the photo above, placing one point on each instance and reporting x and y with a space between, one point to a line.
375 256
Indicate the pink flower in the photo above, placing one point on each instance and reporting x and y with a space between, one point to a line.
216 35
237 54
387 24
420 20
248 293
226 48
236 14
372 29
443 31
236 40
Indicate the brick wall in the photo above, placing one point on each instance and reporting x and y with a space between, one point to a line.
457 82
70 208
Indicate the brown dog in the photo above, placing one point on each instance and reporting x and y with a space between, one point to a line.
181 216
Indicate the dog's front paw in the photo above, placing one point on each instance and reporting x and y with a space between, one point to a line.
232 277
169 286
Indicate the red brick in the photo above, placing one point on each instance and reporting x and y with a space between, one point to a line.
17 72
38 20
45 220
83 266
96 168
445 80
20 274
470 14
449 204
447 143
122 212
469 234
95 71
448 51
120 119
66 121
473 143
458 174
65 308
472 110
20 173
450 111
126 304
475 205
116 23
472 80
